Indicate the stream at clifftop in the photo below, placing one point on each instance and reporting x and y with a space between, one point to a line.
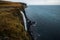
47 18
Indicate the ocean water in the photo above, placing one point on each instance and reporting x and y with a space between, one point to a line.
47 18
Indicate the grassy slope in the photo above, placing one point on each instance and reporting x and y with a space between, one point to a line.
11 26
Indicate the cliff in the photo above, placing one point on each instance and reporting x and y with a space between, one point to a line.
11 22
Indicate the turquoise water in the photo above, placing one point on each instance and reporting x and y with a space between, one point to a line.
47 19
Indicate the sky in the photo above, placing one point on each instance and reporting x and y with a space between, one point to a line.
39 2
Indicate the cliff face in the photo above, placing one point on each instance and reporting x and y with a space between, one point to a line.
11 24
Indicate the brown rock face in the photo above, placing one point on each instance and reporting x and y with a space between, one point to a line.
11 23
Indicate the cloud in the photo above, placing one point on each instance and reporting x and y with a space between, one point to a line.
44 2
39 2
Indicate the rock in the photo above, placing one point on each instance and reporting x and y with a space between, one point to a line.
11 22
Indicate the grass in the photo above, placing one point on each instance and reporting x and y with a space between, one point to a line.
11 25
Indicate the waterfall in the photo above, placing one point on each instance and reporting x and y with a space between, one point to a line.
24 19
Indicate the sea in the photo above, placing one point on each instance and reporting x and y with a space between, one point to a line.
47 18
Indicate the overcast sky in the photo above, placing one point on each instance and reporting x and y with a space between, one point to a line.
39 2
